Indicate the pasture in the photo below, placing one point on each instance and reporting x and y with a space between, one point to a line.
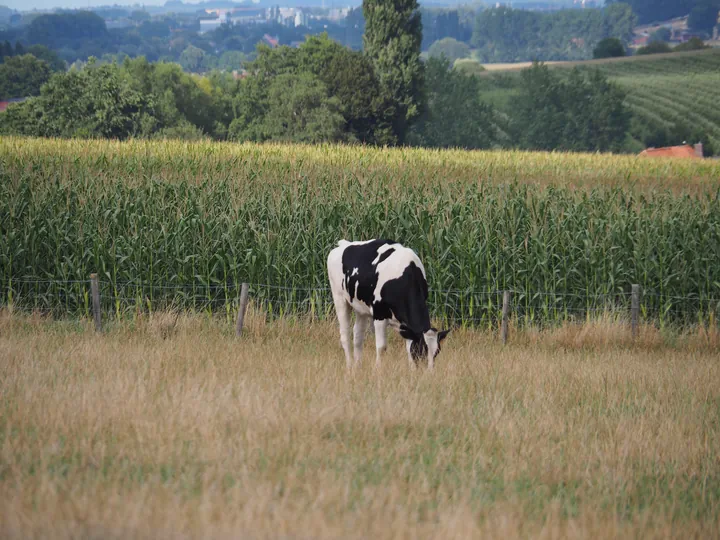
168 426
173 428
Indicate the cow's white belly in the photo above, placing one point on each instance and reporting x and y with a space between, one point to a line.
363 309
358 305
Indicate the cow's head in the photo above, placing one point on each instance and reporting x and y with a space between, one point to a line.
422 343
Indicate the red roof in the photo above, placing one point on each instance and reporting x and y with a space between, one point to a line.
683 151
273 42
4 104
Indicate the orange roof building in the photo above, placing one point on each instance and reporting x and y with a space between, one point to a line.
683 151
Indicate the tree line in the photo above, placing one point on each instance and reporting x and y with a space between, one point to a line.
324 92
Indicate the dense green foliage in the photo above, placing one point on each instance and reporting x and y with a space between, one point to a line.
342 82
704 16
455 115
78 35
392 39
649 11
661 34
22 76
673 98
693 44
447 23
450 48
580 112
609 48
164 215
654 47
513 35
136 99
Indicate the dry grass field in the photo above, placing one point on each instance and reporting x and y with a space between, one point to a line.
165 428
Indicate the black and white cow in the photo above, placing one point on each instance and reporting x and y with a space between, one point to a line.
384 282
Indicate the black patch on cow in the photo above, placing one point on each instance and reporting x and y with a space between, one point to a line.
404 297
361 257
385 254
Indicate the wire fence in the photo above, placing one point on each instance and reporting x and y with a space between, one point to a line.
477 308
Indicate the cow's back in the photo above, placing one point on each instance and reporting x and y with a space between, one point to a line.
377 276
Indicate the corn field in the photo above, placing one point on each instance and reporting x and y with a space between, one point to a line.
168 224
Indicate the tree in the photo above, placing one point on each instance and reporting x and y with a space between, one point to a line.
455 116
450 48
347 75
649 11
300 110
22 76
510 35
139 15
582 113
392 39
191 58
661 34
292 107
232 60
655 47
52 59
6 49
704 16
94 102
693 44
609 48
74 29
468 66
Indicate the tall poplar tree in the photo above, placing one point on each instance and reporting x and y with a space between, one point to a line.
392 39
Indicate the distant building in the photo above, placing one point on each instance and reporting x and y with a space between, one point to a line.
4 104
272 41
683 151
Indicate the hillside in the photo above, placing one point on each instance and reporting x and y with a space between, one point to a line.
662 89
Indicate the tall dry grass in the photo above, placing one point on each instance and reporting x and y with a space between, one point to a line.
169 427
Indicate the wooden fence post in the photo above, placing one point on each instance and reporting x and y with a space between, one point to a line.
635 310
505 317
241 309
95 291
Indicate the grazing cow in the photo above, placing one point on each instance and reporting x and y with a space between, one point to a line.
383 281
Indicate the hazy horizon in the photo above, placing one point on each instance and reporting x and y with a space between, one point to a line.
30 5
75 4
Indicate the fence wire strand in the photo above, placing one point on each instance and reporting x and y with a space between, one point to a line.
72 298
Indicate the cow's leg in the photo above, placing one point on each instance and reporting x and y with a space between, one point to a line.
361 326
431 341
380 340
342 308
411 361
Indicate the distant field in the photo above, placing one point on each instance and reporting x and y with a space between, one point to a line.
662 88
510 66
165 429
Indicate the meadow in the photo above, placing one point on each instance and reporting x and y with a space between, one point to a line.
166 425
168 223
138 432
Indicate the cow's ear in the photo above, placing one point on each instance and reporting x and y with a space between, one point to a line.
441 335
407 333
